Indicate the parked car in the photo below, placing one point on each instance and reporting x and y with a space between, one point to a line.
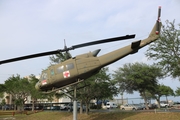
110 105
63 107
151 106
130 107
55 108
70 107
176 105
164 104
140 106
52 108
143 106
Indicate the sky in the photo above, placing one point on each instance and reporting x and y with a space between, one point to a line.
35 26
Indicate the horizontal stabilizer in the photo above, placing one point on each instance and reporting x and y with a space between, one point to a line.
135 44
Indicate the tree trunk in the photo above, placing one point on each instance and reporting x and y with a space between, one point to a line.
158 101
145 99
97 107
15 107
81 107
122 100
167 100
87 108
18 107
33 104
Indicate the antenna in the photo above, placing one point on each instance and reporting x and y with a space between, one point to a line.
65 47
67 54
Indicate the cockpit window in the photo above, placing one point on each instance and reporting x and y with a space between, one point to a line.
60 69
69 66
44 76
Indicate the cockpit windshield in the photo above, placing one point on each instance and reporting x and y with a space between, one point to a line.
43 76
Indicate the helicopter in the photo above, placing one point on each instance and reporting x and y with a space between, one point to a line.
79 68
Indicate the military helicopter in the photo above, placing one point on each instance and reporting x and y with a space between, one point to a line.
77 69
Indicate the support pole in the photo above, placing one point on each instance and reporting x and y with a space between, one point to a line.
75 105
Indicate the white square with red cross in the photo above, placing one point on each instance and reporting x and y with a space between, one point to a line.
66 74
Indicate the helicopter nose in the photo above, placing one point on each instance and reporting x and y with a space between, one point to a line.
37 86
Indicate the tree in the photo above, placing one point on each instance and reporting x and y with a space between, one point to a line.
19 89
161 90
35 94
3 103
168 91
137 77
167 50
2 90
177 91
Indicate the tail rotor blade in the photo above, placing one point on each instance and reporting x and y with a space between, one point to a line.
158 20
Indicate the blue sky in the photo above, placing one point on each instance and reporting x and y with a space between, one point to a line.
33 26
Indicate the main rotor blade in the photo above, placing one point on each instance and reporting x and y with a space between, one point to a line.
66 49
31 56
103 41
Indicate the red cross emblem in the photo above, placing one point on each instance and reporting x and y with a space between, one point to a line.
44 82
66 74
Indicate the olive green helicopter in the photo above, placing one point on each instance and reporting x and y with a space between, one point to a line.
77 69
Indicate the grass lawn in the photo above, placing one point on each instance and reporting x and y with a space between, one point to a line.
96 116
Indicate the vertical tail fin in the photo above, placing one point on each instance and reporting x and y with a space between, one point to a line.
156 29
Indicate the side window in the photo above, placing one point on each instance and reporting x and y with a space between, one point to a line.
69 66
52 72
60 69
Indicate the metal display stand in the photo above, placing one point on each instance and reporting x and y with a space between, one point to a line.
74 101
74 104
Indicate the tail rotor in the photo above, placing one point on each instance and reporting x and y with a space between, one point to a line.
158 20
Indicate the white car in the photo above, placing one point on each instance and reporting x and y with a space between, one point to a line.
110 105
130 107
164 105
